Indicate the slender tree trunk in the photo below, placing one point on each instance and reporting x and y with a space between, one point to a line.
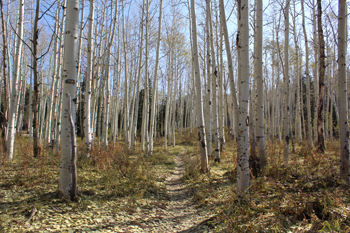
6 90
70 71
107 100
258 71
155 80
343 122
286 83
15 81
230 66
208 93
199 97
320 113
308 105
89 72
126 83
315 71
52 104
214 70
243 175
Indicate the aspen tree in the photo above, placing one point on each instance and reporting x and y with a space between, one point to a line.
175 90
315 69
199 97
52 104
221 96
209 97
343 92
167 106
258 71
15 81
88 80
109 48
69 78
297 78
5 74
58 89
145 110
133 130
117 89
36 101
243 175
126 84
308 105
320 110
286 84
230 66
155 80
214 74
79 81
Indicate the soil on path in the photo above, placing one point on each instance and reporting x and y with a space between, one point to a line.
181 214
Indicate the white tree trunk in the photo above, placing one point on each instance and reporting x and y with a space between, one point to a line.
88 80
208 94
258 71
69 79
215 72
286 84
243 175
126 83
308 105
107 100
155 80
15 81
200 114
230 66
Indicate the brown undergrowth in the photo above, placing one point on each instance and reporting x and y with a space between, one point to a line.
110 183
123 191
307 195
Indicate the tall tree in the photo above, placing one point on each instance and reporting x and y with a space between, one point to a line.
155 80
6 90
199 97
286 83
258 71
15 80
214 74
88 80
343 92
308 105
243 175
230 65
320 111
70 71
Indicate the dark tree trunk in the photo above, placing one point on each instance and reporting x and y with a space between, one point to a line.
320 120
36 103
5 104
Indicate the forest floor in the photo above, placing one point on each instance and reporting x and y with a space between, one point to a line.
123 191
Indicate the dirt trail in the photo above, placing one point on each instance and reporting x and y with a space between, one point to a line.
181 215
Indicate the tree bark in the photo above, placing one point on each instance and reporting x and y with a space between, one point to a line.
15 81
199 97
258 71
286 83
70 71
308 105
6 90
320 111
155 80
243 175
343 122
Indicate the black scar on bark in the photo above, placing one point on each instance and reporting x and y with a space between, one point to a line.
287 139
